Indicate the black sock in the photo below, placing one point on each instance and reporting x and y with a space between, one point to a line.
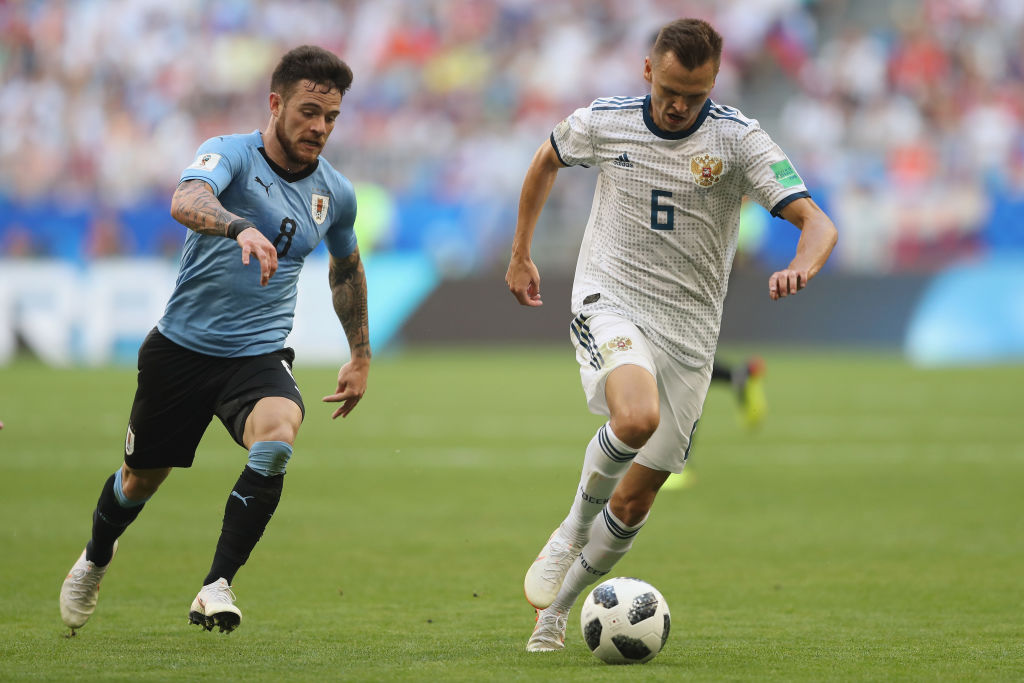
109 520
250 506
721 372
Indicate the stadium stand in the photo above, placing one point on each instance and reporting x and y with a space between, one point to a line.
913 138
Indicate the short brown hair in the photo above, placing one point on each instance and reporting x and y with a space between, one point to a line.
310 63
692 41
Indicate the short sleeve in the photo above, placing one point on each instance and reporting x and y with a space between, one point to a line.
771 179
573 141
341 236
217 161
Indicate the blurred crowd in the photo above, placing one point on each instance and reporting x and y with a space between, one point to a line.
905 118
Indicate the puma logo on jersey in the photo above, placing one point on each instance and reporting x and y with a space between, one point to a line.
622 161
264 185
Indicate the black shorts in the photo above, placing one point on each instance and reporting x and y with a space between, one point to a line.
181 390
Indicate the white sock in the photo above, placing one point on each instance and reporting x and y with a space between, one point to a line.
610 539
606 460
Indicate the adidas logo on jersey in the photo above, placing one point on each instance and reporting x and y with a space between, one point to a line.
622 161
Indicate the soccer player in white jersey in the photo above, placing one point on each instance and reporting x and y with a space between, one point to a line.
256 206
650 283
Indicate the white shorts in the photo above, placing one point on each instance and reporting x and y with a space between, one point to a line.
606 341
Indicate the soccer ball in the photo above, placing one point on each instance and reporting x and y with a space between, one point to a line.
625 621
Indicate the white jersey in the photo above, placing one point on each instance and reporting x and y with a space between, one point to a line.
661 237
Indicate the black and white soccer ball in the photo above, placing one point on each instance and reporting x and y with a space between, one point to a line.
625 621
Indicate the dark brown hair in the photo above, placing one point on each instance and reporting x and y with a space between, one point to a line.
310 63
692 41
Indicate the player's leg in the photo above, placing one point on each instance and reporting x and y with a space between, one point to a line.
607 458
746 381
613 363
751 393
631 394
681 393
267 427
122 498
270 434
611 537
721 371
164 429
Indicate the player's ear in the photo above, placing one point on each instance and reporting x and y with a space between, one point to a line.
276 102
648 69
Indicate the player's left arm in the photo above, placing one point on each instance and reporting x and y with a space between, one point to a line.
818 236
348 294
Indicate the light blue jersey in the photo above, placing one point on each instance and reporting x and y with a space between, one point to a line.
218 307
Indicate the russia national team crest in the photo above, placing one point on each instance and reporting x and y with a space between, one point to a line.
706 169
319 207
617 344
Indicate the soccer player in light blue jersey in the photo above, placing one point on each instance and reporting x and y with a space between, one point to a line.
650 284
256 205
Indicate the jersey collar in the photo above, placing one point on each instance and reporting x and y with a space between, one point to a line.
285 174
668 135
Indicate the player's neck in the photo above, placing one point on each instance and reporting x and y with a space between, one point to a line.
276 153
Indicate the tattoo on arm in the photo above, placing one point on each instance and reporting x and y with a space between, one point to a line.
348 293
196 207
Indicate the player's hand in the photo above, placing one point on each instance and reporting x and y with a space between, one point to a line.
786 282
351 387
253 243
523 280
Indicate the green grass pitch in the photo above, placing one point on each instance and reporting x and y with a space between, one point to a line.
873 529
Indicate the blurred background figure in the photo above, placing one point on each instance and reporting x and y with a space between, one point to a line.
905 118
746 380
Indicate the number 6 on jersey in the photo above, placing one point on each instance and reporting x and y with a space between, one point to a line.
658 210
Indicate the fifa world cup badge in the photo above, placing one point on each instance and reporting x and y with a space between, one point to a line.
206 162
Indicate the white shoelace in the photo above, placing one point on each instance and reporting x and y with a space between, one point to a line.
218 593
563 556
551 626
83 582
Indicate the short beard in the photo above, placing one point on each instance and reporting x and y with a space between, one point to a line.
294 164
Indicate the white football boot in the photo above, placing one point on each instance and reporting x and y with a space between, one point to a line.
549 633
80 590
215 606
548 571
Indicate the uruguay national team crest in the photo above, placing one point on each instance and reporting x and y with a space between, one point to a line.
129 441
617 344
319 208
706 169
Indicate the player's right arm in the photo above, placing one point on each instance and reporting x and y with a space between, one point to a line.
195 206
522 277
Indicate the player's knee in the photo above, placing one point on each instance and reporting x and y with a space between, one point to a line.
281 430
635 426
140 485
270 458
